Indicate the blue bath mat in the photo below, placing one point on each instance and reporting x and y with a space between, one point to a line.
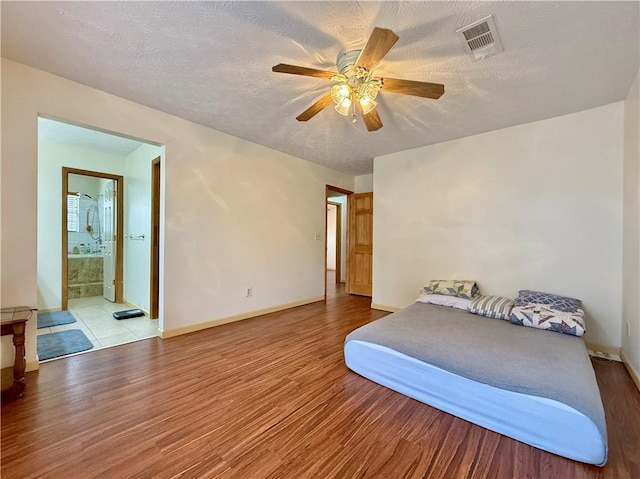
47 320
71 341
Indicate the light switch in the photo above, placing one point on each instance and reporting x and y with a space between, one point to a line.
317 236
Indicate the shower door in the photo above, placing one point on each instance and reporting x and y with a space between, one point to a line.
109 242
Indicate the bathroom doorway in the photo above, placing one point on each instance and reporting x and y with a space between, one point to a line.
92 238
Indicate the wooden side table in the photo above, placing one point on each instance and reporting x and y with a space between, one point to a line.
14 321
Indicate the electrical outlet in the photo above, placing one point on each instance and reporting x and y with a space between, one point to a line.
249 291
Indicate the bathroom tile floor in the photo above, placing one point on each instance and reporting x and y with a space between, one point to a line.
94 317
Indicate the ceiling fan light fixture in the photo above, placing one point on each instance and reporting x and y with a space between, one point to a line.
344 106
340 92
366 94
356 88
367 104
371 88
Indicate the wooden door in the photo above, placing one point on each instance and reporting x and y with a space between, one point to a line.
109 243
360 242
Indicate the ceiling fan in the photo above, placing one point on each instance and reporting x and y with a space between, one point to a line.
356 87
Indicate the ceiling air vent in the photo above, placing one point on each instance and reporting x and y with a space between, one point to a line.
480 39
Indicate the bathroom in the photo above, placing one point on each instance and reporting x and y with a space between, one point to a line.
88 247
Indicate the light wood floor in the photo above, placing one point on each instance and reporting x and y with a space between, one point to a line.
269 398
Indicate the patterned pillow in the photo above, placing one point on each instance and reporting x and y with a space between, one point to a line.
492 307
561 303
444 300
460 288
542 316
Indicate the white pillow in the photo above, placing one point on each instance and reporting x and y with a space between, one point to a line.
444 300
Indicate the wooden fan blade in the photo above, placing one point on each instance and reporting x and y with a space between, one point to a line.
316 108
415 88
308 72
379 43
371 120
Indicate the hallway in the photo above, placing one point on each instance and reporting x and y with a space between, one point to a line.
334 289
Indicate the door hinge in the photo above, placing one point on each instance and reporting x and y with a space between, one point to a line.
113 282
114 237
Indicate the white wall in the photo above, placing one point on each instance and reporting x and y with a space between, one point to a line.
631 243
137 222
218 231
77 183
363 183
51 158
536 206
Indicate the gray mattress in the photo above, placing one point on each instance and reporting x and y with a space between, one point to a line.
493 352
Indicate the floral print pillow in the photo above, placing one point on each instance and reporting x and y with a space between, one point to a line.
542 316
460 288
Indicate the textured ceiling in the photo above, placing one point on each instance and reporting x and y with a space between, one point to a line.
57 132
210 62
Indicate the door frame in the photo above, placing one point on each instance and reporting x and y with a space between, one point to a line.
66 171
335 189
154 283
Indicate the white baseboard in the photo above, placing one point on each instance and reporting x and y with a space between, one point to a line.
169 333
632 371
49 310
382 307
135 306
32 366
126 301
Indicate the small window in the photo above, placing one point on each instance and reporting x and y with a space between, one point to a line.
73 213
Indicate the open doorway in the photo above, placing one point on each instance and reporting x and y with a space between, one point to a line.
95 233
92 238
335 240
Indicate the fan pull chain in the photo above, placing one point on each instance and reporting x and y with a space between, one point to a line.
354 119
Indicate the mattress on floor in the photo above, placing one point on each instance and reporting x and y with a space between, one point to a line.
532 385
